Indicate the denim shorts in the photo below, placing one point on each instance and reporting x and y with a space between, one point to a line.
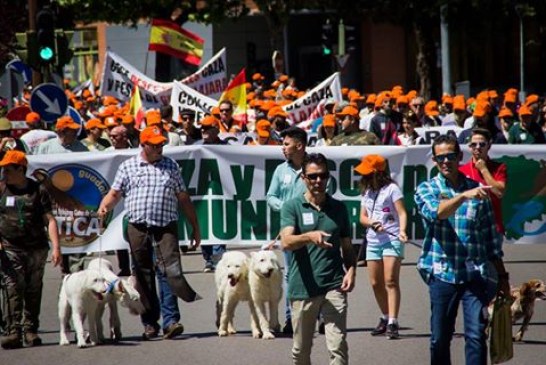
377 252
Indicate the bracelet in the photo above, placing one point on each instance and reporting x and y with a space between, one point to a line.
504 275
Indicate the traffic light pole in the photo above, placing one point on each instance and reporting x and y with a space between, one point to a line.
32 9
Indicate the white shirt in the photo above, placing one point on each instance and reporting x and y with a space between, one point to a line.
384 212
35 137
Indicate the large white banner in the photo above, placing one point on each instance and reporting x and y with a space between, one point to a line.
311 105
211 79
228 185
184 97
119 78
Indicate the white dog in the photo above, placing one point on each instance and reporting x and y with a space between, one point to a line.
231 278
80 294
122 290
265 280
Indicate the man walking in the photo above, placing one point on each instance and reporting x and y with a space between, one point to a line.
153 188
315 228
460 240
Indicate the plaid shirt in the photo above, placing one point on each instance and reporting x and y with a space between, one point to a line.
456 249
150 190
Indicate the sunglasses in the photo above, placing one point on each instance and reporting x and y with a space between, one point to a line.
477 144
314 177
159 145
450 157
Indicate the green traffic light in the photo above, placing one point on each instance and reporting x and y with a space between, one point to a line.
326 51
46 53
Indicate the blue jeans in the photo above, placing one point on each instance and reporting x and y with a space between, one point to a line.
444 302
287 259
210 251
168 301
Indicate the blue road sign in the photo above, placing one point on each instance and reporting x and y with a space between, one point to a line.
74 114
49 101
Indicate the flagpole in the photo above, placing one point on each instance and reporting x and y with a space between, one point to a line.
146 63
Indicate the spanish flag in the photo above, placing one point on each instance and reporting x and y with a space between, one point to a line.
236 93
170 38
135 107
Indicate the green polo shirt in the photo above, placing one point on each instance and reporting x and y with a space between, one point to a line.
314 270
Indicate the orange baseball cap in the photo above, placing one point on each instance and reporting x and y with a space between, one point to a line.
370 164
349 110
257 76
263 128
531 99
32 117
459 103
276 111
14 157
66 122
431 108
505 113
110 122
283 78
94 123
209 121
329 120
371 99
152 135
402 99
524 110
480 110
153 117
127 119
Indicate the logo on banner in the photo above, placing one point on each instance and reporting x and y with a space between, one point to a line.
76 192
524 204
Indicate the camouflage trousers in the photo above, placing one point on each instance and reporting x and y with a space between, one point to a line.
21 285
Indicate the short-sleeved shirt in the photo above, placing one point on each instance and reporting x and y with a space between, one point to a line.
314 270
150 190
530 135
384 212
361 138
22 216
55 146
498 172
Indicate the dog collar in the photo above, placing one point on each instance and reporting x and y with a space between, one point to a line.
110 287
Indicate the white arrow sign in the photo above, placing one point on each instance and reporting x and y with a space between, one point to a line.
342 60
53 106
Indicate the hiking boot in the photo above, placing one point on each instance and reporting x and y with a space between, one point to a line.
12 341
288 330
392 331
32 339
209 267
381 328
173 330
150 331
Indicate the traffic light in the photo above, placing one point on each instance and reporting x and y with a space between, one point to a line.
26 48
63 50
45 35
327 38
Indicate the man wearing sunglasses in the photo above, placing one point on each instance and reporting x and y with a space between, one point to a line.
315 227
153 190
485 171
460 242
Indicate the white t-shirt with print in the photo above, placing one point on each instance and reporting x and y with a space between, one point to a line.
384 212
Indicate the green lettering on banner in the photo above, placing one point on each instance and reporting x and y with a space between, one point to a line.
202 212
209 178
242 181
274 223
187 168
254 220
332 183
224 219
413 176
353 208
347 184
270 166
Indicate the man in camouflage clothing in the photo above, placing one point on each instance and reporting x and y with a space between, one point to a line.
351 135
25 207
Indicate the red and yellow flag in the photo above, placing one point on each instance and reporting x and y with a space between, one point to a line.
170 38
236 93
135 107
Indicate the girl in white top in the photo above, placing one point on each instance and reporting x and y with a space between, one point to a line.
409 136
383 213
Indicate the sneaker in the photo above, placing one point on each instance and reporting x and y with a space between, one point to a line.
209 267
150 331
288 330
381 328
173 330
32 339
12 341
392 331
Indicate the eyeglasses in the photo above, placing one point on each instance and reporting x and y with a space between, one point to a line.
450 157
477 144
185 118
313 177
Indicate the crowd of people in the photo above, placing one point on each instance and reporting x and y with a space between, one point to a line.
314 233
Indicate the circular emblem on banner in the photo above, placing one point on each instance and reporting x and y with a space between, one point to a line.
76 192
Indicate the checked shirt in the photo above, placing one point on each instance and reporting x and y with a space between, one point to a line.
458 248
150 190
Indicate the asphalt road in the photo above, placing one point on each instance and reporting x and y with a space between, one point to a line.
201 345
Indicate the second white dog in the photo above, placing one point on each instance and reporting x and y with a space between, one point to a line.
265 280
231 278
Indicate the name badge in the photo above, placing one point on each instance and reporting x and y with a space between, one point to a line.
308 218
287 179
10 201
